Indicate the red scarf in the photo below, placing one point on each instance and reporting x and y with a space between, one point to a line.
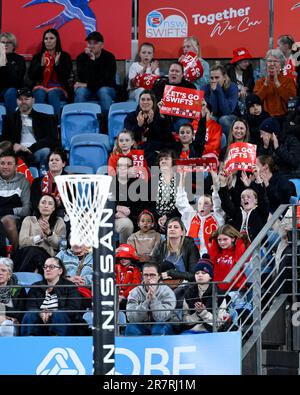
49 66
210 225
48 183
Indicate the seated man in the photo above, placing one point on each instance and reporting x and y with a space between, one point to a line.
32 133
96 74
175 78
150 302
14 196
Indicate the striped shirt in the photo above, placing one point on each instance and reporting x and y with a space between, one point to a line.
50 302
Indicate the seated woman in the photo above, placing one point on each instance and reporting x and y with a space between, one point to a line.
50 71
56 161
78 261
178 250
51 305
39 236
151 131
12 71
275 89
12 299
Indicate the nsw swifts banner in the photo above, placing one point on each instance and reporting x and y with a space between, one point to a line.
73 19
241 156
286 19
182 102
219 25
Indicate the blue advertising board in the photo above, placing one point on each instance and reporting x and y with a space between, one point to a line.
203 354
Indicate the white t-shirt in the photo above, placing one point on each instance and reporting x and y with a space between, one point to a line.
27 136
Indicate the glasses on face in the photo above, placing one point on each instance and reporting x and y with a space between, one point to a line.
50 267
6 42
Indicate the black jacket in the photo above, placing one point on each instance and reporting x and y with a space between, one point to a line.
190 255
12 75
279 191
97 73
159 86
257 218
68 297
248 77
63 70
44 129
254 122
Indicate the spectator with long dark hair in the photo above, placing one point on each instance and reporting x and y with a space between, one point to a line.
50 71
39 236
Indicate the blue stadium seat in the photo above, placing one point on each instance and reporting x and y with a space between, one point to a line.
296 182
116 116
79 118
79 170
43 107
34 171
223 141
2 112
28 278
88 150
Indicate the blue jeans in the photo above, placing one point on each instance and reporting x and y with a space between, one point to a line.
142 330
9 96
226 121
41 156
58 317
105 95
54 97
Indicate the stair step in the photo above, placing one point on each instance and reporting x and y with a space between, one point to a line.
285 359
275 371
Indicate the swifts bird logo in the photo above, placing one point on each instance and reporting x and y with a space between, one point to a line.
73 9
295 6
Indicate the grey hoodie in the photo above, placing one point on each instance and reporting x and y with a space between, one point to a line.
160 309
15 195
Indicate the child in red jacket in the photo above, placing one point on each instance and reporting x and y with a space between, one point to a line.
227 247
126 272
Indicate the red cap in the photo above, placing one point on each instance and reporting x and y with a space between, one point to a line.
126 251
240 54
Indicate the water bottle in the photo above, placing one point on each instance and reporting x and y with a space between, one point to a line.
63 244
43 171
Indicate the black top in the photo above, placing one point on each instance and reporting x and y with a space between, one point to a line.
159 86
97 73
12 75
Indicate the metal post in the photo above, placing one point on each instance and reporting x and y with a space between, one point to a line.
257 308
103 296
214 307
294 253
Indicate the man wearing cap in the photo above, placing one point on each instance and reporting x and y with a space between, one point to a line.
96 73
198 302
285 150
32 133
240 71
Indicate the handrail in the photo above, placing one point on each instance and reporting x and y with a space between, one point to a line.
256 242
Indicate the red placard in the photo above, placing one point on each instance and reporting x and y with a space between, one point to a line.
193 68
97 15
138 159
206 163
182 102
145 80
241 156
220 26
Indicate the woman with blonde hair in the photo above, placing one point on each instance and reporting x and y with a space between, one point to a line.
191 44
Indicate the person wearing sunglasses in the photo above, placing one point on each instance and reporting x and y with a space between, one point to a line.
53 302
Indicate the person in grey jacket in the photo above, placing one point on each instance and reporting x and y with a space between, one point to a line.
150 302
14 196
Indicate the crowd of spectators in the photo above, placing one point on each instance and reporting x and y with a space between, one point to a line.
165 231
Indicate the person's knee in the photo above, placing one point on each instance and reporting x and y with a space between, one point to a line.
9 223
